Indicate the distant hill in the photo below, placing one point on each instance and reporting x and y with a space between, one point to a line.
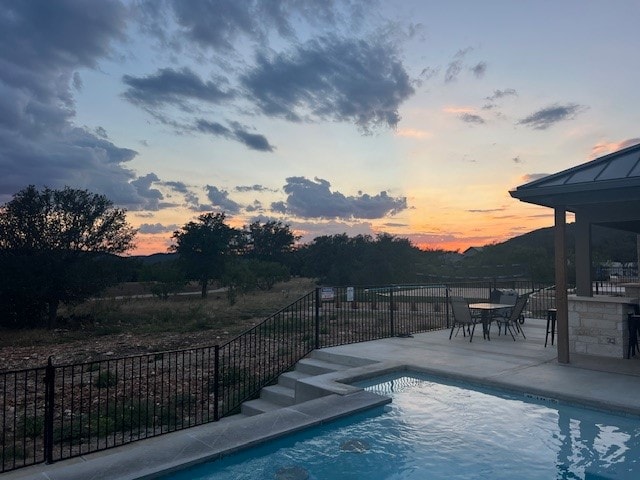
155 258
607 243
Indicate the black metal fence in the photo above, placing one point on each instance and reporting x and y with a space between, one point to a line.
63 411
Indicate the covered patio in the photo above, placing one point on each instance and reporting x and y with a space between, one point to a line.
606 192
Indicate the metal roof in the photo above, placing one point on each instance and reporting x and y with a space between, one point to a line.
606 189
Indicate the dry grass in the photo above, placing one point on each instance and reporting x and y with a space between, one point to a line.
130 325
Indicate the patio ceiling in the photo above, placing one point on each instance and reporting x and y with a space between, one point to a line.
605 191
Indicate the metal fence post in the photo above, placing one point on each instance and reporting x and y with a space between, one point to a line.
446 299
216 380
391 307
49 402
317 319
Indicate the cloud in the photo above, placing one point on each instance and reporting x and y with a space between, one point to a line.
220 198
151 195
221 24
472 118
314 199
154 228
176 87
498 94
530 177
546 117
331 78
256 206
455 66
253 188
479 69
238 132
603 148
486 210
43 46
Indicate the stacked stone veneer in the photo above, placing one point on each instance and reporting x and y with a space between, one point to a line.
598 325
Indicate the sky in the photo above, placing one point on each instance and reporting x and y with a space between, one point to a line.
412 118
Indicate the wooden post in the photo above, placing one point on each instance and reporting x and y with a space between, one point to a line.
562 305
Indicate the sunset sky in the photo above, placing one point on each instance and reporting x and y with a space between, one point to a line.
413 118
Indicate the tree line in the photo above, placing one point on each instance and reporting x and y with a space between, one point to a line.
65 246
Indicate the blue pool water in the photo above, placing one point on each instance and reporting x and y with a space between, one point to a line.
441 430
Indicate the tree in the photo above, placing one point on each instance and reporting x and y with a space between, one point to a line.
269 242
205 246
59 246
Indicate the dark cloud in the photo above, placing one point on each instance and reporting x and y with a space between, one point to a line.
332 78
176 87
50 36
238 132
219 24
256 206
479 69
253 188
314 199
455 66
220 198
43 46
254 141
485 210
157 228
472 118
498 94
546 117
179 187
516 160
151 195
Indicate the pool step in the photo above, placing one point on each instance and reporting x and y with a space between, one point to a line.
282 394
258 406
314 366
289 379
279 394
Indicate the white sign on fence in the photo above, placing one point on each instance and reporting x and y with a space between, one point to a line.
350 294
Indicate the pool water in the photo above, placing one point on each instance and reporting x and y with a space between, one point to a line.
442 430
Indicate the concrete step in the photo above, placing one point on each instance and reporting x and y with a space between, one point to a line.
313 366
289 379
340 359
258 406
278 394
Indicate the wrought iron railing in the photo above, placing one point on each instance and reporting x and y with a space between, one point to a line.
62 411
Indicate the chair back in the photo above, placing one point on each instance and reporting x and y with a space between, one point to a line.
460 308
495 295
508 297
518 308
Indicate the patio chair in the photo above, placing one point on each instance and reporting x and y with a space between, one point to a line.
507 297
462 317
512 321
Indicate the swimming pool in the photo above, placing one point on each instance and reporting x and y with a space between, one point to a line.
439 429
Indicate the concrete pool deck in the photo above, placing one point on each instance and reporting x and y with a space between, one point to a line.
524 366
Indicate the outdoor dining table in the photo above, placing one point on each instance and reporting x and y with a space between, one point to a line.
487 308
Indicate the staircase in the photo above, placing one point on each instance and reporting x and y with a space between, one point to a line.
283 394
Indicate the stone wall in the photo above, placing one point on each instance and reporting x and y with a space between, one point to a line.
598 325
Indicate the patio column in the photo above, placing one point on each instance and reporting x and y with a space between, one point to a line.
562 308
584 285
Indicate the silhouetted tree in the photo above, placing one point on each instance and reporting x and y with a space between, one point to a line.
205 246
56 246
270 241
